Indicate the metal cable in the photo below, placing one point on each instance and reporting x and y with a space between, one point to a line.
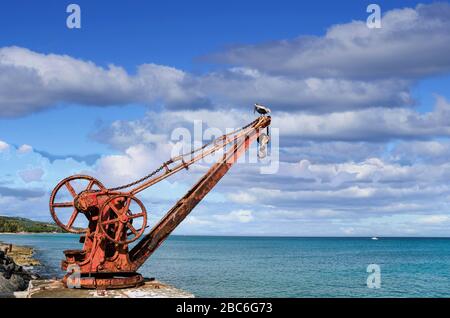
180 157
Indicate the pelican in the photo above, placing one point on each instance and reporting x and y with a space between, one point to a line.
261 109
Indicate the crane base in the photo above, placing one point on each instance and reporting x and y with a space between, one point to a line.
103 280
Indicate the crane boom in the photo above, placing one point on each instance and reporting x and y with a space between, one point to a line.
145 248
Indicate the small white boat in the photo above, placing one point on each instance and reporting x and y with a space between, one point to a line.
375 238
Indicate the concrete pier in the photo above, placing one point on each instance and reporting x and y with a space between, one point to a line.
55 289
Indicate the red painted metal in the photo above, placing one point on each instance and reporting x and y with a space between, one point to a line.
106 260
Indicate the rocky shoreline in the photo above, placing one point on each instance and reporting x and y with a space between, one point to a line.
18 280
16 263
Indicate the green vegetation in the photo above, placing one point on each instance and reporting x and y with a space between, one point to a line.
15 225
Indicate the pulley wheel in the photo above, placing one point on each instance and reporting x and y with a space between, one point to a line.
119 223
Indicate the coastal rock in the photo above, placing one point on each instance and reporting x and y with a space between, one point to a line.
13 277
22 255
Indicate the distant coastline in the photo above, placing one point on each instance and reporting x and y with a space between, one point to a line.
17 225
26 233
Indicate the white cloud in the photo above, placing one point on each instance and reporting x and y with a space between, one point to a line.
49 79
373 124
358 195
25 149
3 146
244 86
432 152
196 221
349 68
242 216
135 162
30 175
371 186
434 219
352 50
340 130
242 198
348 230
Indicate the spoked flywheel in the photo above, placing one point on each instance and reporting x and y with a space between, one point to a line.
62 200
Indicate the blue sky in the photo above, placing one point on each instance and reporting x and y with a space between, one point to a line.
173 33
363 136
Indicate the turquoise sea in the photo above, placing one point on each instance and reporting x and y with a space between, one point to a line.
280 267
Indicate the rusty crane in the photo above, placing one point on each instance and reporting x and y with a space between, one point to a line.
117 218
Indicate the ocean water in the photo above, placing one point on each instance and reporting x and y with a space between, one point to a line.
281 267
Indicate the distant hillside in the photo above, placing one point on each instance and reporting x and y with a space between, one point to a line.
15 225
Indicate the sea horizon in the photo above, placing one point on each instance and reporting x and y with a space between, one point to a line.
250 235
